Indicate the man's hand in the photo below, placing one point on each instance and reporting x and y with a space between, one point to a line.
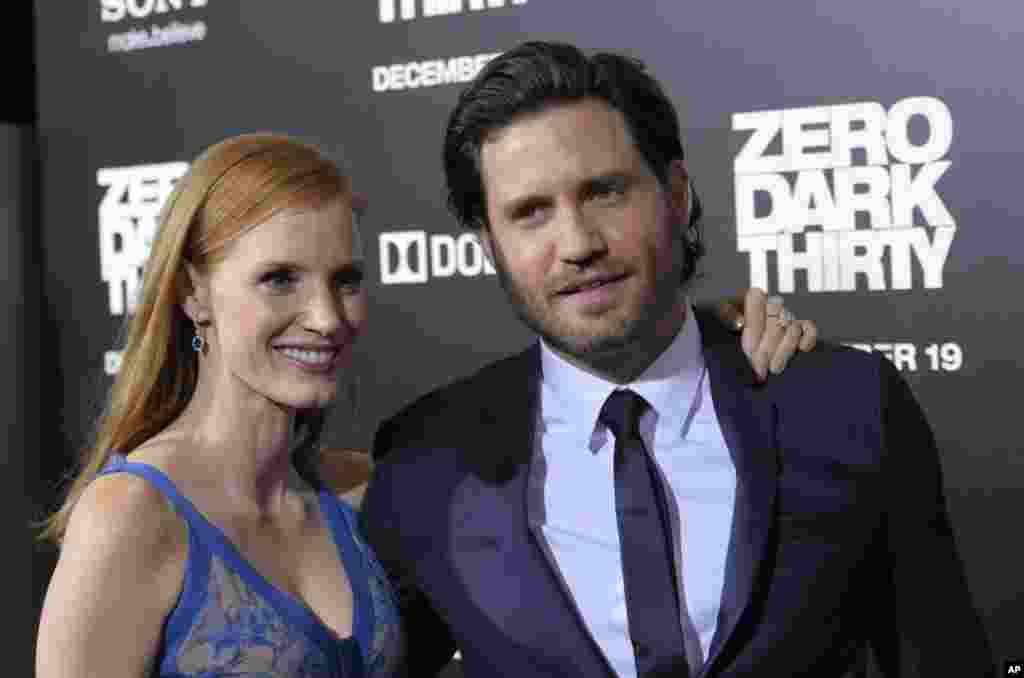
770 333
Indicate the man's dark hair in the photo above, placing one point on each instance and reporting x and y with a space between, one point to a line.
538 75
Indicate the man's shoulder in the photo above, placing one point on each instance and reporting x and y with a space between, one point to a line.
836 356
836 381
438 415
827 361
834 367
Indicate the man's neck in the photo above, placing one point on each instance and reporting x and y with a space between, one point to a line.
623 365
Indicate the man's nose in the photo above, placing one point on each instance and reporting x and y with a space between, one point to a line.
580 237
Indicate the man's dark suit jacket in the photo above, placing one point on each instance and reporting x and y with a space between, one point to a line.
840 536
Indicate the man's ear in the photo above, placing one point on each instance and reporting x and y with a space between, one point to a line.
680 193
483 236
194 295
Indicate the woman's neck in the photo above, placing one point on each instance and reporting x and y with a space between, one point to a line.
245 441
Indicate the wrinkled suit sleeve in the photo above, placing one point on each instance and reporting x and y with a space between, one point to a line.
927 625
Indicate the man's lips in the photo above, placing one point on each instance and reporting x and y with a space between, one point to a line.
587 284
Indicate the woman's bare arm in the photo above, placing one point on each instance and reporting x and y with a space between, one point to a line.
120 571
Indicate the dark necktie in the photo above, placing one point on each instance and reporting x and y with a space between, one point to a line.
652 602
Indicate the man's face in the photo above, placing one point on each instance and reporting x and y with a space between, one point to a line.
585 239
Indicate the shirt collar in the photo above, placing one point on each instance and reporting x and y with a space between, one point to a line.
572 398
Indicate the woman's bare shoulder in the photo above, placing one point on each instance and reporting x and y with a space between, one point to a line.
121 568
121 512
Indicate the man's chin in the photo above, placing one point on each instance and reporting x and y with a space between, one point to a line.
582 338
588 348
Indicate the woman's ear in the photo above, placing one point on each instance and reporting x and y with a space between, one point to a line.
194 294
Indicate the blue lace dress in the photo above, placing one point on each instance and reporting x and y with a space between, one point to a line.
231 621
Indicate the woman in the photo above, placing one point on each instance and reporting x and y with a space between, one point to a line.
197 539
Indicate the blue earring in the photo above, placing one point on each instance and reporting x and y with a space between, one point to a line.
198 340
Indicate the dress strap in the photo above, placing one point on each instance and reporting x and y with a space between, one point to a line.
343 525
118 463
197 569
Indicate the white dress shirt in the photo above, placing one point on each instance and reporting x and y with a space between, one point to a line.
578 489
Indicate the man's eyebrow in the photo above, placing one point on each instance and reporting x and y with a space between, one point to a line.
352 271
520 205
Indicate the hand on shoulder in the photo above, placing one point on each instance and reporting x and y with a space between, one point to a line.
770 334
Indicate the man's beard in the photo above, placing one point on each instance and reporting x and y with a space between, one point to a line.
598 348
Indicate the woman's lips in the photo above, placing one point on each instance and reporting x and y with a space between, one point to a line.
312 360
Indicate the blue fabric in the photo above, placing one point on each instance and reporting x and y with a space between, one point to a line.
231 621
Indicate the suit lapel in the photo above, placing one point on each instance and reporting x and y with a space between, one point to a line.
505 471
534 504
495 507
747 419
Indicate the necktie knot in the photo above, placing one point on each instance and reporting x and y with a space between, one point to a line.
621 413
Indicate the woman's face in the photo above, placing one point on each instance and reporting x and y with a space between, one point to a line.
286 305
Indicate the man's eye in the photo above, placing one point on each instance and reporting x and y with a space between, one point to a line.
607 191
352 281
532 212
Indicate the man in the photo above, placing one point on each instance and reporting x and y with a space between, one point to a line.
624 497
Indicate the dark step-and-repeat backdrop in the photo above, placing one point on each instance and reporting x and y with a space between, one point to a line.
863 159
19 392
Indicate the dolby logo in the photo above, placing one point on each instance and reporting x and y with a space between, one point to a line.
413 257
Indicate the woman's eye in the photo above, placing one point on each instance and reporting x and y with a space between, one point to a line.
278 279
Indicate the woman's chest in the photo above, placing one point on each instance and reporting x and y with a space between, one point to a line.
301 563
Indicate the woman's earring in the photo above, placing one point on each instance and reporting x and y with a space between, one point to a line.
199 341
